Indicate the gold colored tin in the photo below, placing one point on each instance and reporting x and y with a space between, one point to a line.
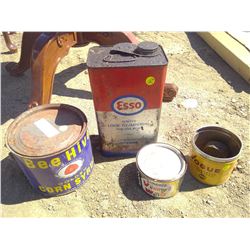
214 154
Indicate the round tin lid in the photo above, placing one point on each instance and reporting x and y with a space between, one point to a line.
146 47
46 130
161 161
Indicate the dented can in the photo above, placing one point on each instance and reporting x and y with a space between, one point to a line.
51 145
214 154
161 168
127 83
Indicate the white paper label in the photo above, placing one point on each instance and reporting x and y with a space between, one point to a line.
127 133
46 128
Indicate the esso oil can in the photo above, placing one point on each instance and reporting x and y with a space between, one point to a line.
127 83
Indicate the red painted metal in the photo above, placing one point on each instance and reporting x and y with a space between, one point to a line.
127 83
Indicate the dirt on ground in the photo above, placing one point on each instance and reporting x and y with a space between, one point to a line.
112 190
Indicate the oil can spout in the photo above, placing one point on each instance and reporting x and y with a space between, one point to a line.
142 49
123 48
124 52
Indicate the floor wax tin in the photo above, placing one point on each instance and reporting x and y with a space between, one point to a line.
127 83
214 154
161 168
52 147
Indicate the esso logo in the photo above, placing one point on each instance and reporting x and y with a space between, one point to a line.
128 105
70 169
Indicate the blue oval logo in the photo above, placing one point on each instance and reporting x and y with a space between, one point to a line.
128 105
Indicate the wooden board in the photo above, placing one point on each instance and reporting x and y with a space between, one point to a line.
235 52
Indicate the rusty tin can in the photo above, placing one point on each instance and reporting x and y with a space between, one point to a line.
161 168
51 145
214 154
127 83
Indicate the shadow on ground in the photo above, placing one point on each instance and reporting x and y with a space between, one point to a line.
16 91
15 188
128 182
189 183
64 76
6 53
209 56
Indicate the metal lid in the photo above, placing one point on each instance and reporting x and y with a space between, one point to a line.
127 55
161 161
146 48
46 130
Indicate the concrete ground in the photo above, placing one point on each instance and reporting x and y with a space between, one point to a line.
112 189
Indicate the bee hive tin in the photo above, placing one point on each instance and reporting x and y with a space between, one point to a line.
51 145
161 168
214 154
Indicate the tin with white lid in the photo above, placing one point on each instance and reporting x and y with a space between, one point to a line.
161 168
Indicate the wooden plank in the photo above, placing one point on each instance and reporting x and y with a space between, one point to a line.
242 37
232 51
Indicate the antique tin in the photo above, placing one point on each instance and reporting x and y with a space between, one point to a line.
214 154
51 145
127 83
161 168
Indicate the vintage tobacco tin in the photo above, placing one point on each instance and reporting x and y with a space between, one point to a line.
161 168
214 154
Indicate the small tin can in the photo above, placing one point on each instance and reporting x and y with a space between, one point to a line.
214 154
161 168
51 145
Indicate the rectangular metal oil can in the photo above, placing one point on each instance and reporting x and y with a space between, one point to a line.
127 82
